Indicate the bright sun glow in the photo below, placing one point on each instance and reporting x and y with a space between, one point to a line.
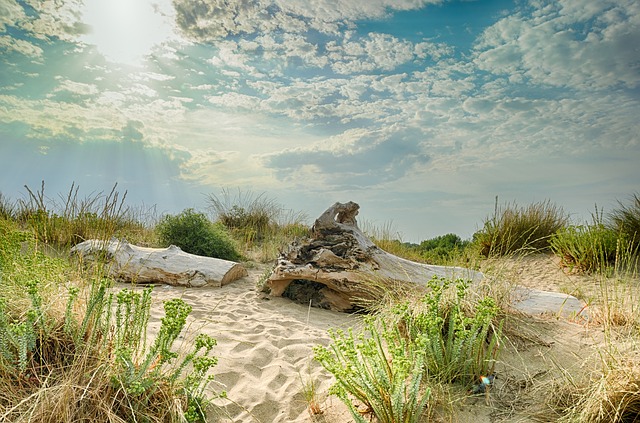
125 31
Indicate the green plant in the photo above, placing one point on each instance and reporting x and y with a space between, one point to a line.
460 346
442 248
87 359
511 228
74 220
380 368
626 220
195 234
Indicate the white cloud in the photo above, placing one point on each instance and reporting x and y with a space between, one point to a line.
21 46
581 46
217 19
10 13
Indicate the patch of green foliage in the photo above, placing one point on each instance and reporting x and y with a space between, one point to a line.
195 234
442 248
380 368
512 228
88 359
389 365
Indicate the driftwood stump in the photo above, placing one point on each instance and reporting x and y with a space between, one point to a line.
171 266
347 265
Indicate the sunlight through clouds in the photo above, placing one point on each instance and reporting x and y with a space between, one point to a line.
126 31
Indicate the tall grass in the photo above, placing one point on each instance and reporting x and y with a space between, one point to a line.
513 228
626 220
261 225
73 353
70 219
598 246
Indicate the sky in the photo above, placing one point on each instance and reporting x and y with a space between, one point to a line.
421 111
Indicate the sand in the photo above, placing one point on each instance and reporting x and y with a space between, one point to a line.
265 349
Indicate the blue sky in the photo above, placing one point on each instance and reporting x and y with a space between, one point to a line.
422 111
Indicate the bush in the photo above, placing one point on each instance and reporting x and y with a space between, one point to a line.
195 234
442 247
512 228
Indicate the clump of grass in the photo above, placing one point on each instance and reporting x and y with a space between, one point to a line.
311 394
259 224
70 220
512 228
610 397
626 220
593 247
195 234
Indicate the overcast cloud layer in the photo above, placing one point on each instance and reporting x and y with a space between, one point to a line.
421 111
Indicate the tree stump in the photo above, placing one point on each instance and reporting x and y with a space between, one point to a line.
171 266
345 267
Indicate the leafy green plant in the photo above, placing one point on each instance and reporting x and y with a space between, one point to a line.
511 228
380 368
195 234
460 346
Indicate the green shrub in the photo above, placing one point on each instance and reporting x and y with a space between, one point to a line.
626 220
587 248
380 368
512 228
389 366
442 247
195 234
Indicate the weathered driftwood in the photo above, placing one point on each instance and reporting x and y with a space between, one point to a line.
171 265
348 264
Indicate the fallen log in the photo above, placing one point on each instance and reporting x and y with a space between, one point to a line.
348 266
171 265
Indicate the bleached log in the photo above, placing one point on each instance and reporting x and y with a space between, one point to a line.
170 266
341 257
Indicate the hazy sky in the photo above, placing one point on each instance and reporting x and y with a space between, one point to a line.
421 111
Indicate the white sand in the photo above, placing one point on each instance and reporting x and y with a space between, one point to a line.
264 349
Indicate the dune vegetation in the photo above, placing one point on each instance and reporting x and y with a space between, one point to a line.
74 347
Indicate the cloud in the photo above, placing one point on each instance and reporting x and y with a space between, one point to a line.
577 44
46 20
356 158
24 47
211 20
